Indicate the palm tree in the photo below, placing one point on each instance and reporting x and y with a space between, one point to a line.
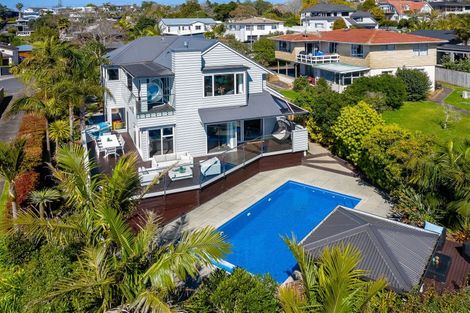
332 284
118 268
19 6
11 166
58 131
43 198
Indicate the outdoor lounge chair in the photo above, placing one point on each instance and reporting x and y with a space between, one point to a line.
210 167
282 130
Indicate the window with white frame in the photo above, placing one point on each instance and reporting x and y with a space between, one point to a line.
224 84
260 27
161 141
249 27
357 51
420 49
198 27
113 74
274 26
332 47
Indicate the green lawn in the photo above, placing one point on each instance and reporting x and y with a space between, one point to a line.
427 117
290 94
3 198
455 98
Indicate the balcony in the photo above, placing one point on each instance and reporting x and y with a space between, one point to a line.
310 59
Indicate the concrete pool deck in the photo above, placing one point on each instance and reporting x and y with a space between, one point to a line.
230 203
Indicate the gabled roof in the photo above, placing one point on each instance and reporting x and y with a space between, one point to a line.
359 36
405 6
255 20
186 21
448 35
328 8
361 14
389 249
156 49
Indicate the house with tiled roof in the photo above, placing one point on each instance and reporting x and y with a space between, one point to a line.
396 10
340 56
322 16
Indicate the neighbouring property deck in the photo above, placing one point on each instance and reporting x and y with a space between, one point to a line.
459 271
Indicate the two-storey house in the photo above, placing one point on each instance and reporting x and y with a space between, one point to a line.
451 7
177 95
396 10
186 26
321 17
251 29
340 56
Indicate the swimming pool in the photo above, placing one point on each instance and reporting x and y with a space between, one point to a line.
293 208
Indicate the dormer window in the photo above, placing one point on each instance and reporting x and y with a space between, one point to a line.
113 73
224 84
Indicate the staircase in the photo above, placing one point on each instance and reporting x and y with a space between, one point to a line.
325 161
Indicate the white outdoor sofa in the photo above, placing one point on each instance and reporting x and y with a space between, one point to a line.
148 174
166 160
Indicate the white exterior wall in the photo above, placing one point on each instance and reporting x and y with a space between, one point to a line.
185 29
12 55
317 25
220 55
430 71
189 131
241 34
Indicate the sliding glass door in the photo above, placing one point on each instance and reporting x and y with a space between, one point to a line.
221 137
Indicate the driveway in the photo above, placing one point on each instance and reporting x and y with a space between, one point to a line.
11 84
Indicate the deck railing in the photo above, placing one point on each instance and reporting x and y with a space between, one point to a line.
317 59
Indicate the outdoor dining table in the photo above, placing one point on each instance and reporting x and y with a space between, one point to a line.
109 141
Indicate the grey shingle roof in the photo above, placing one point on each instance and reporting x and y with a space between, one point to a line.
262 104
393 250
156 49
187 21
329 8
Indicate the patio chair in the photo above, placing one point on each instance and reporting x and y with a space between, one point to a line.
210 167
122 142
99 148
111 151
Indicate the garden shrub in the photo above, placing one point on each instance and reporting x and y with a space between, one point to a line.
392 87
236 292
352 125
32 129
387 151
24 184
417 83
301 83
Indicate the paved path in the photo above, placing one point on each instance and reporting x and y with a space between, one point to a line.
440 99
335 177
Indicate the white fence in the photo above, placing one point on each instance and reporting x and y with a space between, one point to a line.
317 59
456 78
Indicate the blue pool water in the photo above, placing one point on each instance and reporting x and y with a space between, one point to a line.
294 208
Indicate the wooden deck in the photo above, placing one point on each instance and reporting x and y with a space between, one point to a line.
459 271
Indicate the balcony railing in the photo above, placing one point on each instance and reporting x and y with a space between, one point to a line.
317 59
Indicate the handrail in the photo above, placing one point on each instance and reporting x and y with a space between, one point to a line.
317 59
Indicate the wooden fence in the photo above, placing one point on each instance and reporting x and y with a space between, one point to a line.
456 78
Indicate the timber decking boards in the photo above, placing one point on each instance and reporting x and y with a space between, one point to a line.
459 271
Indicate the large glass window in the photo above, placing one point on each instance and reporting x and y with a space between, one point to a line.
260 27
224 84
253 129
420 49
220 137
118 118
113 74
332 47
161 141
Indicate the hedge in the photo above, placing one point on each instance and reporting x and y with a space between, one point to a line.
32 129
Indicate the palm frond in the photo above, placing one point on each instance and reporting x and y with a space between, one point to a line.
292 300
150 302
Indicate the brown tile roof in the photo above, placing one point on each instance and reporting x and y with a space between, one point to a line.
360 36
403 6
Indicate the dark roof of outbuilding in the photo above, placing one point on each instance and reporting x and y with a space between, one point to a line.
263 104
389 249
457 48
329 8
449 35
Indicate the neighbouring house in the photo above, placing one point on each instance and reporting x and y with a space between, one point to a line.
8 55
396 10
398 252
451 7
452 48
340 56
24 51
186 26
321 17
200 104
22 27
251 29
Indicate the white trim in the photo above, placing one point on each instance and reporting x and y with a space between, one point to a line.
237 53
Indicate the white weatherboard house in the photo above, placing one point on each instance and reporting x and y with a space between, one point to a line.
186 26
251 29
190 96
